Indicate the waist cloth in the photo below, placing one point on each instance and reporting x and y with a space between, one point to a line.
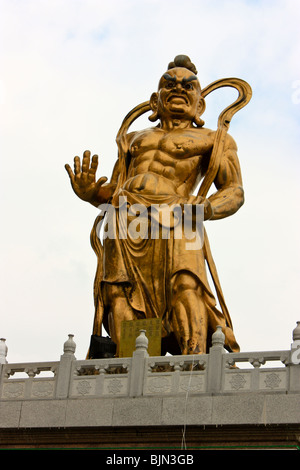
146 264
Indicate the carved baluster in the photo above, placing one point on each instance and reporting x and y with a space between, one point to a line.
31 372
257 361
102 371
176 376
76 371
230 363
8 373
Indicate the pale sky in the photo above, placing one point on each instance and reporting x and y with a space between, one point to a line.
70 72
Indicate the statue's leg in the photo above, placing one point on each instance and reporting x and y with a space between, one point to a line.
190 322
119 310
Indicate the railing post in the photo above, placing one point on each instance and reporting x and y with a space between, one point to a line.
294 363
138 365
64 368
3 351
215 361
3 354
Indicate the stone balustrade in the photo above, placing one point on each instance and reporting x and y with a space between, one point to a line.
217 372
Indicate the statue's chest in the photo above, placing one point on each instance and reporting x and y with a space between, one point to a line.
176 144
184 145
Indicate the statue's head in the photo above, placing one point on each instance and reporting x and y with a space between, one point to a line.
179 93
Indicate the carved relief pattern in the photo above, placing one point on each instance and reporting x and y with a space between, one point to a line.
272 380
159 385
42 389
237 381
13 390
115 386
83 387
195 384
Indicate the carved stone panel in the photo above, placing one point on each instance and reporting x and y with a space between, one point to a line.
160 384
115 386
14 389
42 389
272 380
237 381
192 384
83 387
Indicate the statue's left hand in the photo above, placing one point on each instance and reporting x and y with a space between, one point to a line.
208 209
83 180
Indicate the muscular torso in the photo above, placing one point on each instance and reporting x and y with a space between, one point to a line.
168 162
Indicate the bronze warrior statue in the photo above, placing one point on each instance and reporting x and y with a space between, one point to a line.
160 277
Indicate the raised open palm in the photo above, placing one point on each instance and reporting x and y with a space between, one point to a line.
83 180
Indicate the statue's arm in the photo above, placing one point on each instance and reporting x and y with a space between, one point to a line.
106 190
229 196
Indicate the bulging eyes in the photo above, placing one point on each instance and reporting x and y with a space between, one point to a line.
170 85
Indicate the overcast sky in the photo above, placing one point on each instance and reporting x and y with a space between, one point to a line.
70 72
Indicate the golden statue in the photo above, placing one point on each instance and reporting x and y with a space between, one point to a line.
162 166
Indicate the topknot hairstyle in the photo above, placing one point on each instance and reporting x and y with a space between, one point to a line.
183 61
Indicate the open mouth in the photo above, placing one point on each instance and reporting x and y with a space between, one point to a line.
177 99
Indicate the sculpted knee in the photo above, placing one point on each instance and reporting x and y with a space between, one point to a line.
112 292
184 282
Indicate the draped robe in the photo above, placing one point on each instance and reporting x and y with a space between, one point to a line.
145 267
